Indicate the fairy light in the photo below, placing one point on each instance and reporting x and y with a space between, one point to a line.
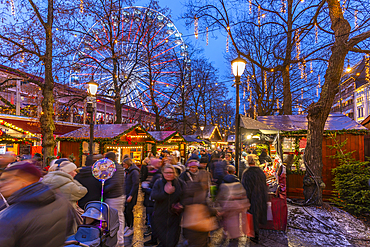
298 44
265 80
22 59
250 6
196 27
227 42
356 24
311 69
259 15
344 6
207 35
301 93
12 7
283 6
367 69
81 6
316 33
277 103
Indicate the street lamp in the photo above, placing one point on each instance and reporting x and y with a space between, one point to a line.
92 89
201 129
238 66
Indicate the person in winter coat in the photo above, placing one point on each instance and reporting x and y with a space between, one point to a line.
191 172
218 168
194 156
155 174
114 194
196 193
233 201
263 158
167 193
34 215
132 189
92 184
229 159
254 182
243 164
61 178
231 177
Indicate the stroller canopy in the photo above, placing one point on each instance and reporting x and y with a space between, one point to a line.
109 214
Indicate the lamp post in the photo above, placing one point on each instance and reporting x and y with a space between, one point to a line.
238 66
201 130
92 89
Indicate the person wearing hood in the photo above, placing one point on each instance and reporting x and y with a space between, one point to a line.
61 178
34 214
194 156
92 184
132 189
191 172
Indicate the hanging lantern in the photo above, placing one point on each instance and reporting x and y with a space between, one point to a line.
196 27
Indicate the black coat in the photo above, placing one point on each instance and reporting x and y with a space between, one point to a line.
114 187
143 173
231 178
148 202
36 217
187 176
166 224
92 185
254 182
132 183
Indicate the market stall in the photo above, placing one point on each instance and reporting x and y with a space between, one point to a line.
294 135
169 140
15 139
212 134
123 139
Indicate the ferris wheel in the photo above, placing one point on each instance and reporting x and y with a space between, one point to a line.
138 54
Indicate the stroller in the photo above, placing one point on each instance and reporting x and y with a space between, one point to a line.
99 228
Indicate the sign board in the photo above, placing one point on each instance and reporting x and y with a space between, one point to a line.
24 149
2 148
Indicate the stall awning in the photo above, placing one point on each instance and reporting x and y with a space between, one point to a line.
335 121
193 138
251 124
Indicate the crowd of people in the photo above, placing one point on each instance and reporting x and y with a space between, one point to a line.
192 197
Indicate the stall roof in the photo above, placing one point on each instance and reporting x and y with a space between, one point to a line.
209 132
101 131
193 138
335 121
251 124
161 136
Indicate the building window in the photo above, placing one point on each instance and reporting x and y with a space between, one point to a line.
360 112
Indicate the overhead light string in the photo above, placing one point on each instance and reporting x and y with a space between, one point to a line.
207 35
81 6
196 27
250 6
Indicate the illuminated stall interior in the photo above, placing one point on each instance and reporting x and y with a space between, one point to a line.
212 134
169 140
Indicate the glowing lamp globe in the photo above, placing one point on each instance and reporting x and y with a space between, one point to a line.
238 66
92 87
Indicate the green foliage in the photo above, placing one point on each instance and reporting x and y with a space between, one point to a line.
49 159
259 148
72 158
351 180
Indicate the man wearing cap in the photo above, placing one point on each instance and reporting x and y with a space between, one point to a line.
32 214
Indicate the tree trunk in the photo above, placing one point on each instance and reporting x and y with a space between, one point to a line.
46 119
118 107
287 94
318 112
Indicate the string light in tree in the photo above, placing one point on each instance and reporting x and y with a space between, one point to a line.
207 35
250 6
277 103
265 80
344 6
227 42
311 68
259 15
318 86
81 6
356 13
12 7
255 112
196 27
316 33
283 6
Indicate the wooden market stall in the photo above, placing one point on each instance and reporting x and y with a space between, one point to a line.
123 139
294 133
15 139
169 140
212 134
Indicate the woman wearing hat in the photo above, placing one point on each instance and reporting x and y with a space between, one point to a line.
191 171
61 178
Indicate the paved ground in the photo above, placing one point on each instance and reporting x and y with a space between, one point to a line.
307 226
